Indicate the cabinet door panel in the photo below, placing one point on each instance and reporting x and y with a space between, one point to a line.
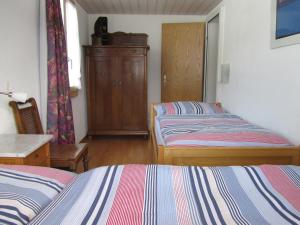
104 105
134 101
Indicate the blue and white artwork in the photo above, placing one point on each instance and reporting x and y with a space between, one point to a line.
288 18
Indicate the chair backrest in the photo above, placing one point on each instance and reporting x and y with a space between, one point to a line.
27 117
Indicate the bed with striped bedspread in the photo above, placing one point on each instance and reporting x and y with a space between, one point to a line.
215 130
171 195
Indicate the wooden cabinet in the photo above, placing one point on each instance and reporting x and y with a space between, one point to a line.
116 78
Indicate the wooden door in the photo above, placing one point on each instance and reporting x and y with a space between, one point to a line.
104 107
134 100
182 61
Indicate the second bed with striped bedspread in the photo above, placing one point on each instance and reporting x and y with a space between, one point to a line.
163 195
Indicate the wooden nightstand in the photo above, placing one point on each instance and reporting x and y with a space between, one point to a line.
25 149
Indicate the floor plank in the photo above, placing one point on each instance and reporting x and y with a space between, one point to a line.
104 151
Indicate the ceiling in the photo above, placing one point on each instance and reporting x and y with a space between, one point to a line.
168 7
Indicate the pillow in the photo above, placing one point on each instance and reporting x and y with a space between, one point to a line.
188 108
26 190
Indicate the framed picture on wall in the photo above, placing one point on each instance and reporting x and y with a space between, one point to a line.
285 23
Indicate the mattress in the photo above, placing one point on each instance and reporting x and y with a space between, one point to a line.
171 195
214 130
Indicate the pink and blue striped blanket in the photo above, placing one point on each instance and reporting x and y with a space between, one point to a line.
172 195
215 130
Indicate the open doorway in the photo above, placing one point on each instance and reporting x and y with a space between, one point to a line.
212 56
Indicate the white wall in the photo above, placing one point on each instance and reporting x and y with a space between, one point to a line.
151 25
79 102
19 54
264 83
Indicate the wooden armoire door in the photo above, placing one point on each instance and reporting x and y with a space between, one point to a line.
182 61
134 93
103 100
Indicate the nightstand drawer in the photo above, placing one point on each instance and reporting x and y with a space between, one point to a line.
40 157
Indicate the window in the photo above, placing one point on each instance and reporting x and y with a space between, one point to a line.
70 18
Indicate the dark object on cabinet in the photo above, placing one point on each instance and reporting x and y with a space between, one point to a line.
116 78
101 36
100 26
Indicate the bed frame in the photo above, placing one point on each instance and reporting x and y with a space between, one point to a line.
221 156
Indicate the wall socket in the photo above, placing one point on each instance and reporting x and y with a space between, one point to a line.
225 73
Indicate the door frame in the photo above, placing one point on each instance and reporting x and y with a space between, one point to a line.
218 11
206 56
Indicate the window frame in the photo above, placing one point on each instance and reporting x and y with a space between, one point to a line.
73 90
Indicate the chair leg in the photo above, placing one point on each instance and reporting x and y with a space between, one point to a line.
85 162
73 167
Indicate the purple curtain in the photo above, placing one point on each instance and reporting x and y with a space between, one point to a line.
59 108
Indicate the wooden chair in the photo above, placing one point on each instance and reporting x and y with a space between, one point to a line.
61 156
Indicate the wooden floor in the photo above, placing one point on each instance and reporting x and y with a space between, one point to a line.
105 151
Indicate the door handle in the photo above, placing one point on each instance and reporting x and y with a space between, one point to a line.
116 83
165 78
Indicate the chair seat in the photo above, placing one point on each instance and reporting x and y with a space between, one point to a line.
69 155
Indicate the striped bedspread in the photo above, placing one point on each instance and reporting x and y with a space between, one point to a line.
26 190
215 130
170 195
